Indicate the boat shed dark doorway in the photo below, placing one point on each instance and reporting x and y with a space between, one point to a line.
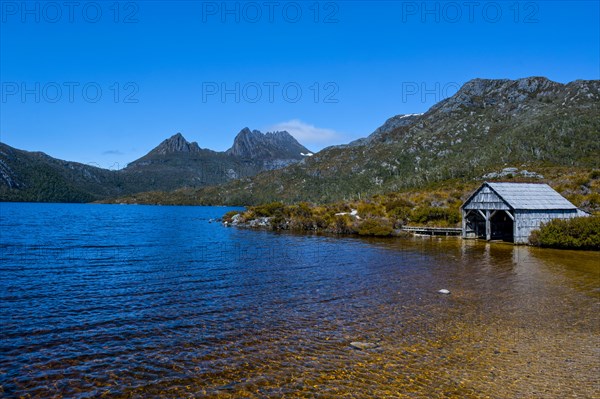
502 227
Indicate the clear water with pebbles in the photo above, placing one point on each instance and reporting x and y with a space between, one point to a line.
138 302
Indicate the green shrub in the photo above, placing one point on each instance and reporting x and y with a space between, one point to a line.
268 210
370 210
399 209
433 214
278 220
396 203
340 207
401 214
341 224
301 223
581 181
375 227
590 202
303 209
576 233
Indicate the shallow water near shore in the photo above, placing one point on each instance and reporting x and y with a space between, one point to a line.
148 301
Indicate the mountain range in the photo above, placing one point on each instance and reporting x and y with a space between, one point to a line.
173 164
488 124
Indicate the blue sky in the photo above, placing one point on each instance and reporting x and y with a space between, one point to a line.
104 82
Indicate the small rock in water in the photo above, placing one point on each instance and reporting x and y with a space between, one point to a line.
363 345
444 291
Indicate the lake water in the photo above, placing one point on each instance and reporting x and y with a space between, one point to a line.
142 301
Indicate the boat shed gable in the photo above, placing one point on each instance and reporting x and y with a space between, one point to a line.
485 199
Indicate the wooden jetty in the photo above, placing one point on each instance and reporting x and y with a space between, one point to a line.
433 231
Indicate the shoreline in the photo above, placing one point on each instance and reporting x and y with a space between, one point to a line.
236 219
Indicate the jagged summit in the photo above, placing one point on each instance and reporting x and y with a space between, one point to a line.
177 163
175 144
511 90
268 151
510 96
253 144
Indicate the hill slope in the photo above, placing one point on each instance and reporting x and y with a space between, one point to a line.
173 164
487 124
37 177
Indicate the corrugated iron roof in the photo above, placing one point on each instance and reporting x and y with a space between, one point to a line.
530 196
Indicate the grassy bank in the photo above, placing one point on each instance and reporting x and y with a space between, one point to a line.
436 205
379 215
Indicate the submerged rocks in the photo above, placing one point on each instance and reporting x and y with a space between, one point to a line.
363 345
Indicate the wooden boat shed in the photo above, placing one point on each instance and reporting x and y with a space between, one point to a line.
511 211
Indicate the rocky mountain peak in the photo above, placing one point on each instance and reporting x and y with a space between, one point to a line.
511 89
175 144
507 96
281 136
253 144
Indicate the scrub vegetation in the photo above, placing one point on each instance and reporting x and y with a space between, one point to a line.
436 206
576 233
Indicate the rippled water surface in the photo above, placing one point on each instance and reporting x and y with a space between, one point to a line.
132 301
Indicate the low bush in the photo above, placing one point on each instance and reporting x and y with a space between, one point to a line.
267 210
576 233
435 214
396 203
375 227
370 210
400 214
341 224
278 221
303 209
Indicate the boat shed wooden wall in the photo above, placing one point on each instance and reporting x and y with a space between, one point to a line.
528 220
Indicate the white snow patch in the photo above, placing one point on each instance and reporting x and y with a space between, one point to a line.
407 115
